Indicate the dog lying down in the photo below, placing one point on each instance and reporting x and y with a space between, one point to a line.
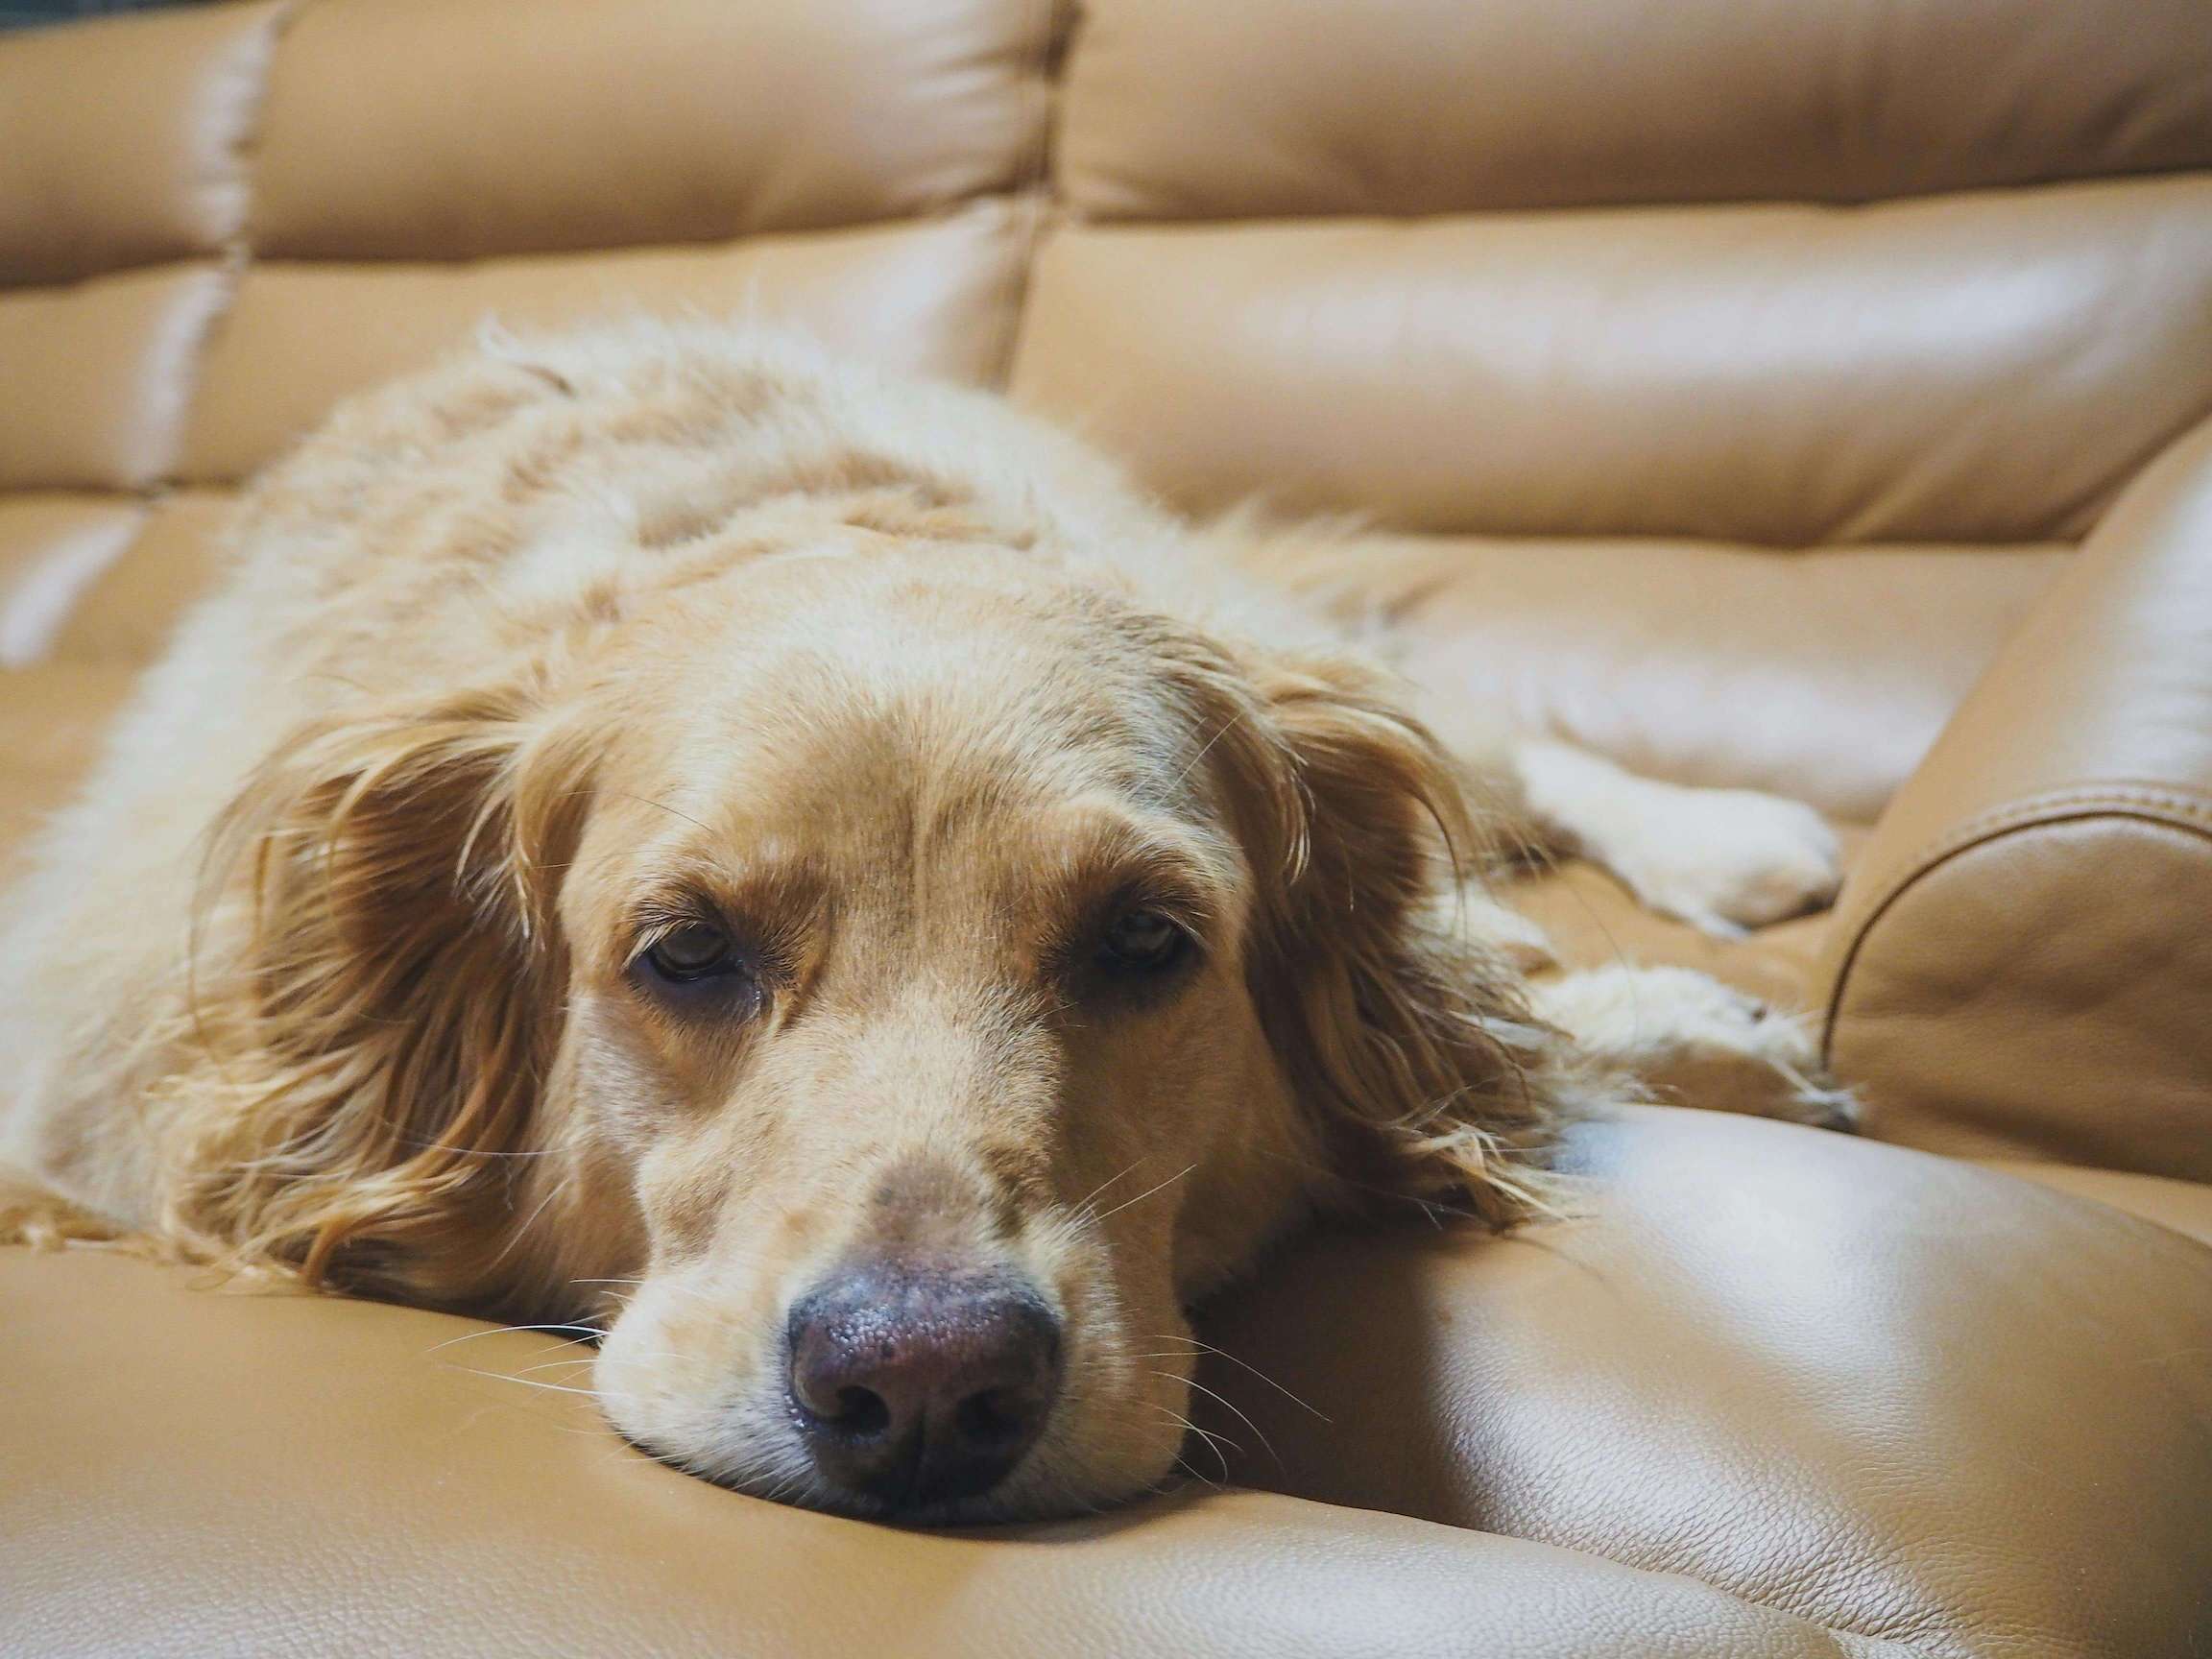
664 830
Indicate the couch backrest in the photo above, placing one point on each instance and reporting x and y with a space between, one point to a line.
1757 272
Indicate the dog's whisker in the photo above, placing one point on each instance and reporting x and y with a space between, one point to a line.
1146 1193
1084 1203
550 1365
515 1237
506 1331
526 1383
1196 761
1241 1364
1214 1441
1211 1394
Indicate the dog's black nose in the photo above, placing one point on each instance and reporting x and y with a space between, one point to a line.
916 1387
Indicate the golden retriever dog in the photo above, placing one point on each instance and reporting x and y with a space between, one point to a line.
813 877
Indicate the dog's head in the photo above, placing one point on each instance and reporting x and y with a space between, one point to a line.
891 988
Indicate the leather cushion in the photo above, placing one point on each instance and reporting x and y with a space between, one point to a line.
185 1470
929 297
2184 1207
53 547
1242 108
94 378
1884 1391
1821 675
1984 367
127 612
2020 966
1776 1393
121 143
458 129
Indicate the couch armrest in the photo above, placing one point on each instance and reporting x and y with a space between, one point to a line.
2021 964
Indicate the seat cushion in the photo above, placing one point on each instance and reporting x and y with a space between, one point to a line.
2183 1205
1822 674
186 1472
1776 1393
1886 1391
1594 922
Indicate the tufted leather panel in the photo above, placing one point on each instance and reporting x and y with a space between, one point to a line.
1240 109
131 605
90 587
53 547
927 296
1880 1390
1710 371
1822 675
120 143
95 376
2020 966
667 121
53 716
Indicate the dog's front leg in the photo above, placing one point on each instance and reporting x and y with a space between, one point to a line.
1722 860
1696 1041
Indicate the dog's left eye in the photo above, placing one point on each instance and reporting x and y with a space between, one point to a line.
1143 941
695 951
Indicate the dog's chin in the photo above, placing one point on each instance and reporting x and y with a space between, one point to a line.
1050 1484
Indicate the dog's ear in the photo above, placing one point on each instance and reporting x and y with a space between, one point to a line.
395 1004
1409 1042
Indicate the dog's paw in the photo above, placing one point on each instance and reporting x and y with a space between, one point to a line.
1726 860
1699 1042
1722 860
1471 911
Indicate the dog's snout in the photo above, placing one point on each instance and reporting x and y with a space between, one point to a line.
916 1387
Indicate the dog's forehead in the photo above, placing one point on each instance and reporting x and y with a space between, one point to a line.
900 706
967 666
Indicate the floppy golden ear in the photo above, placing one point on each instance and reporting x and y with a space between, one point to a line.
382 1032
1410 1043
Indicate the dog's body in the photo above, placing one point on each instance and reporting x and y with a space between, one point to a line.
658 810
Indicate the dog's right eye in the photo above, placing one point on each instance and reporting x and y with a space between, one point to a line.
693 951
699 969
1142 940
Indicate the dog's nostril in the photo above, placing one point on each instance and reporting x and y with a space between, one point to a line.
860 1412
991 1417
916 1387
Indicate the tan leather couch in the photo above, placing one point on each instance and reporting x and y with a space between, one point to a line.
1804 395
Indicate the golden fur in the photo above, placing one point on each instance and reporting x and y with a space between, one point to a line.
530 660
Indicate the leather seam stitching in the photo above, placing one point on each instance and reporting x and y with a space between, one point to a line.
2178 808
2119 793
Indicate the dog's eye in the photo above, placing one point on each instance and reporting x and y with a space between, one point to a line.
695 951
1142 941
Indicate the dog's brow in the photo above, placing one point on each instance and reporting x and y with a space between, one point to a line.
1166 863
771 896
